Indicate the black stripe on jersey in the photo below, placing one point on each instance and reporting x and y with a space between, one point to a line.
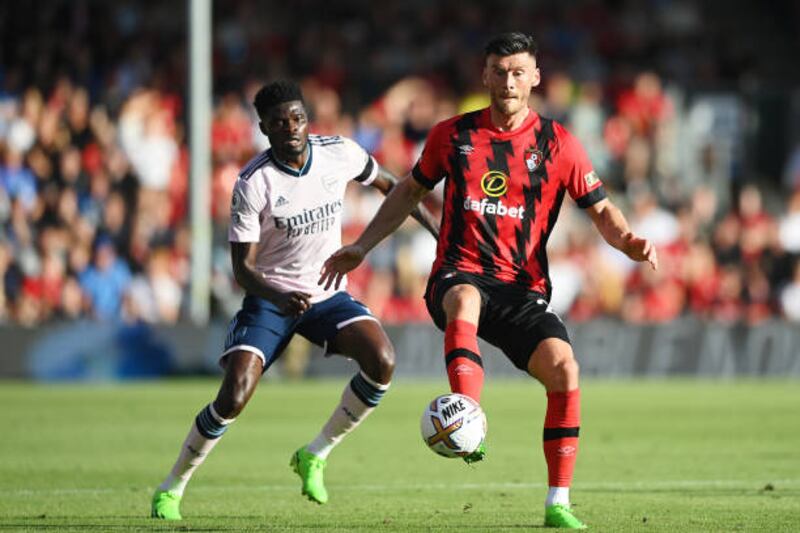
531 193
487 248
541 250
591 197
456 186
367 170
325 140
254 164
423 180
544 142
560 433
325 143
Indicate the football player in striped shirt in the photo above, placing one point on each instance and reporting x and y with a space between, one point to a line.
506 171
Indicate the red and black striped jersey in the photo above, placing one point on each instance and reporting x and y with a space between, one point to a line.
503 192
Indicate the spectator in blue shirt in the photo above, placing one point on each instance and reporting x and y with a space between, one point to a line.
105 281
17 180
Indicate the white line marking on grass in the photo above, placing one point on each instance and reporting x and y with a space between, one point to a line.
589 485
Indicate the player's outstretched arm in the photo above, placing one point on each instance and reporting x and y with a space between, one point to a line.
611 224
386 181
398 204
243 255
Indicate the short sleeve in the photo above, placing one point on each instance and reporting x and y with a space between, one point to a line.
430 170
583 183
247 202
364 166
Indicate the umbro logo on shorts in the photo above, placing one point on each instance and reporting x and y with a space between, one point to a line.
281 201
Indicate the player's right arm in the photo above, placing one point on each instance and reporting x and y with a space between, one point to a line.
386 181
244 233
399 203
243 256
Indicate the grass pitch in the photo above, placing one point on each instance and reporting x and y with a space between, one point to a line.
654 456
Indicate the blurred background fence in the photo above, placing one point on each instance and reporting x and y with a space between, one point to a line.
689 110
607 348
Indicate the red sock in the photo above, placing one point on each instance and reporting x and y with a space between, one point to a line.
561 427
463 359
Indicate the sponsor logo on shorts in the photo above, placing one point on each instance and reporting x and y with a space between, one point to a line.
548 308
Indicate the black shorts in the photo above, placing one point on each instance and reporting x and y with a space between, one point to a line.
512 318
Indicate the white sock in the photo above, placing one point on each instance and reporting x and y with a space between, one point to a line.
359 399
203 436
557 495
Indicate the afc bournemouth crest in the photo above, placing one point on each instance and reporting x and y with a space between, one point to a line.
533 158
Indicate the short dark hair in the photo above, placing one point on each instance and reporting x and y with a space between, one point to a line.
511 43
276 93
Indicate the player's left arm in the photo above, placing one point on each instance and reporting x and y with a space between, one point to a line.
587 190
613 226
385 182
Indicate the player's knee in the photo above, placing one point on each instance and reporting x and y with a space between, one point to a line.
378 362
568 368
563 375
558 371
460 300
383 363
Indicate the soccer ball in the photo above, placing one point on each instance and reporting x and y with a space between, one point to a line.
453 425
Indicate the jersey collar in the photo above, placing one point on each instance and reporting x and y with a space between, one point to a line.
485 120
286 169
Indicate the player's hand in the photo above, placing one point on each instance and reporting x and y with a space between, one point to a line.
294 303
640 249
340 263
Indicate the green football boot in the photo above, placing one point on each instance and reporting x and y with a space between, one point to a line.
478 455
309 467
561 516
166 505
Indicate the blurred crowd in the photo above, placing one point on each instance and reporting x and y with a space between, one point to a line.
94 162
